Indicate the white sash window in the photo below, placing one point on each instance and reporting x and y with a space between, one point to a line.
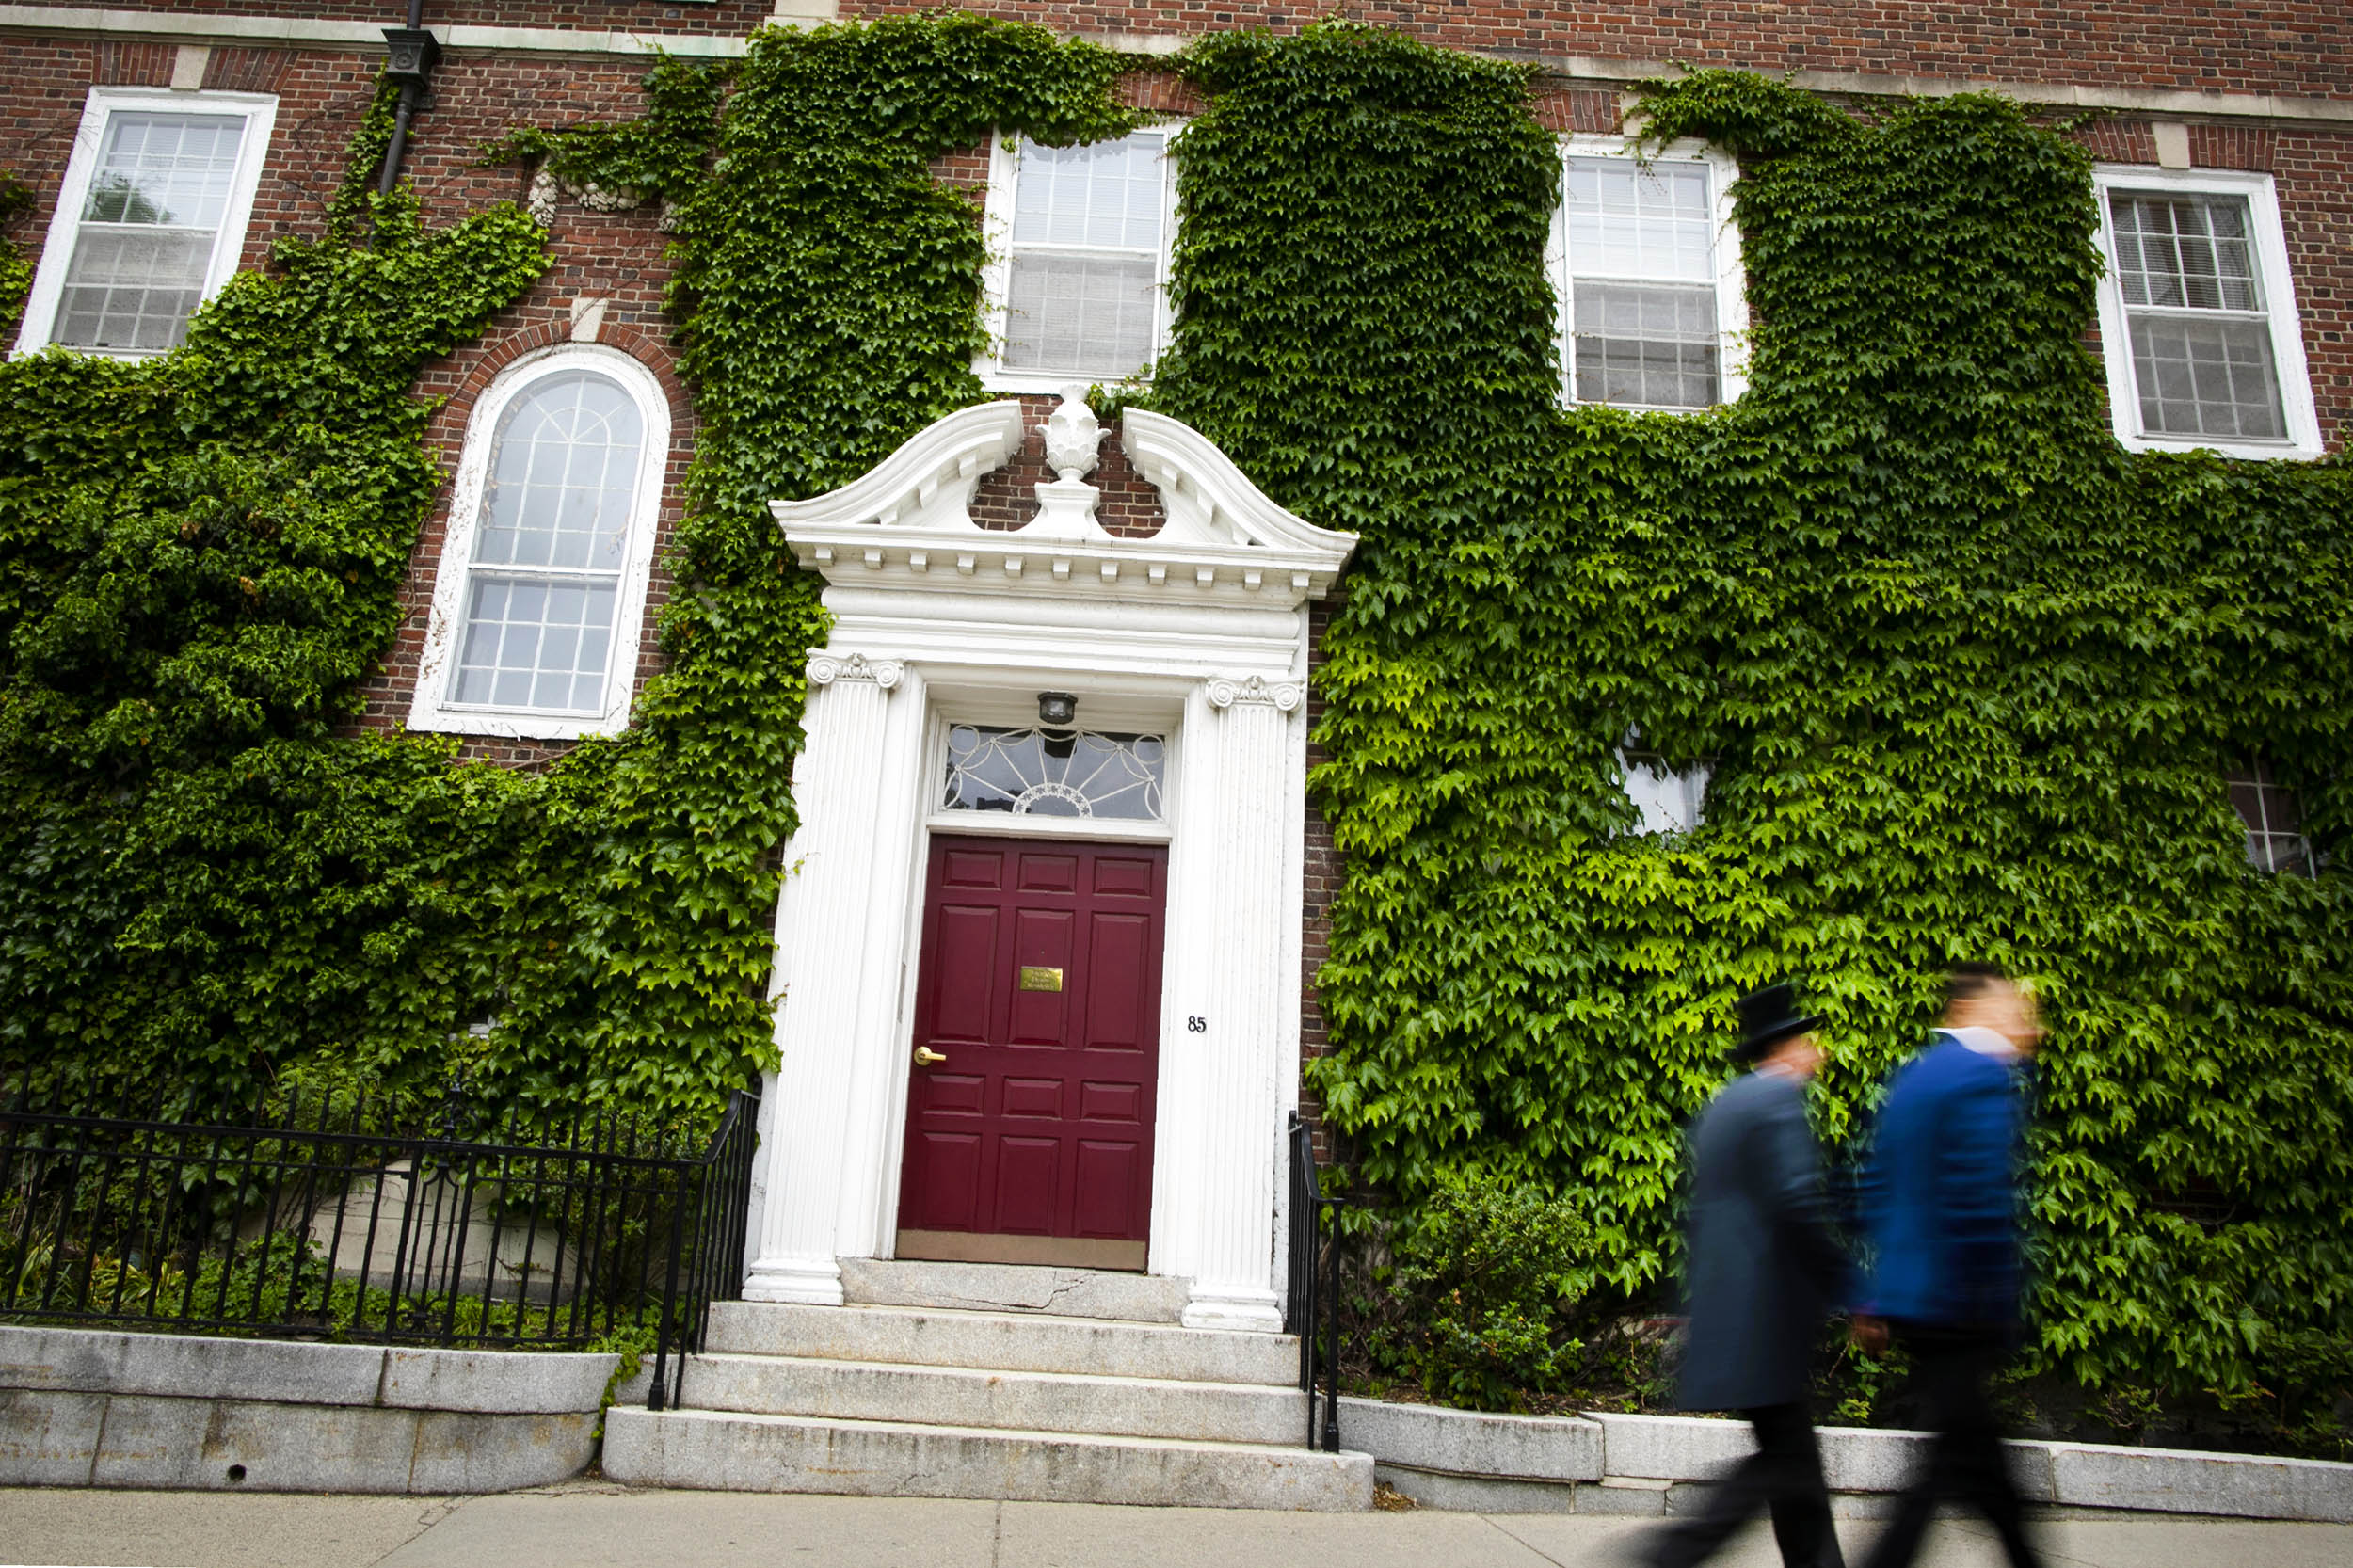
1647 267
1078 242
151 220
2197 315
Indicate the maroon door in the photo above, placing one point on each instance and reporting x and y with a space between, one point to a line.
1036 1044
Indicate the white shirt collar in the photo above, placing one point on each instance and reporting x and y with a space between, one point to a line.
1986 1042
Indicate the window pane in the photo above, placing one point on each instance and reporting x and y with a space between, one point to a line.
131 288
562 476
1105 193
171 169
1646 346
2269 811
2210 377
1054 772
2185 252
1628 221
535 644
1091 314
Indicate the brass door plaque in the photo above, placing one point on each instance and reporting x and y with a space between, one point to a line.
1036 978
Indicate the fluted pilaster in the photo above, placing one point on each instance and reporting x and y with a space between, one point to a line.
822 942
1239 833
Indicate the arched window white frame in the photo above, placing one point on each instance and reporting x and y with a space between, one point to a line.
539 602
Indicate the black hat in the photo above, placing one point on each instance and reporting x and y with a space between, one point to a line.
1769 1017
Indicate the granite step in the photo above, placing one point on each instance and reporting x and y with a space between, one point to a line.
1012 1287
974 1397
734 1451
1004 1341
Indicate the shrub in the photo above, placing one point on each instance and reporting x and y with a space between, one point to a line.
1481 1277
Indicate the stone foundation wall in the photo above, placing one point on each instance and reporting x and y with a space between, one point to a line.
1663 1464
80 1407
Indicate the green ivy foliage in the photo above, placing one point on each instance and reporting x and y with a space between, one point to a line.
1967 674
16 270
201 555
208 887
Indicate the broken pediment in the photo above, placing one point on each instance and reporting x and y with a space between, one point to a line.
908 521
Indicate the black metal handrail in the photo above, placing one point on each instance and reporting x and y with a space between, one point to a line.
334 1219
1315 1287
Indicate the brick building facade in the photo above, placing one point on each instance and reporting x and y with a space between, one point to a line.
2254 110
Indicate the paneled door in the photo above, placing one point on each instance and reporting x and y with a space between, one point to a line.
1036 1044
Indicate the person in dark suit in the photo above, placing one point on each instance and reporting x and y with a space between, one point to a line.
1941 1206
1764 1269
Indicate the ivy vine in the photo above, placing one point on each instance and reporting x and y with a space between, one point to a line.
208 891
1967 674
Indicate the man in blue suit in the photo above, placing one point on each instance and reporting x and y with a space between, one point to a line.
1942 1208
1764 1268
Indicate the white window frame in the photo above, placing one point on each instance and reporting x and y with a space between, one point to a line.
2278 292
1732 298
1004 172
259 110
430 707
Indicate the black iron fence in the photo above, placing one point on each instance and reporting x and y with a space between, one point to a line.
1312 1307
331 1219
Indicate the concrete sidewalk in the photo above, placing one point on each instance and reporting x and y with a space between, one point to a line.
592 1525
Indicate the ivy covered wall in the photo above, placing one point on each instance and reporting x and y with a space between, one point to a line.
1968 673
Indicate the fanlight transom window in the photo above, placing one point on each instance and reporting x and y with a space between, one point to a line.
551 548
1055 772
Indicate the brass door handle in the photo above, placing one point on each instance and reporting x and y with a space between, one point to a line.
926 1057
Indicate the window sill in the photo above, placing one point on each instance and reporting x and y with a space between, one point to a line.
995 380
514 726
2287 450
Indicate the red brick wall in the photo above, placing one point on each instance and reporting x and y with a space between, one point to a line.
2171 44
724 18
1131 506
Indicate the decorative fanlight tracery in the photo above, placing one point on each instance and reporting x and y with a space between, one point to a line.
1055 772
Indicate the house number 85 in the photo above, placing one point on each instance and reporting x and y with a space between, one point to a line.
1198 1024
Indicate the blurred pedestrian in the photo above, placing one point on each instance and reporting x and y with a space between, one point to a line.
1764 1268
1942 1207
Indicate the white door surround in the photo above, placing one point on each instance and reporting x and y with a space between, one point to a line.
1199 633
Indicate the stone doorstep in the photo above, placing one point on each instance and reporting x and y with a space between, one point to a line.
1009 1341
300 1372
1014 1287
971 1397
730 1451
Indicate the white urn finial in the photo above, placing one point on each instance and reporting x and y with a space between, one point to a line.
1073 436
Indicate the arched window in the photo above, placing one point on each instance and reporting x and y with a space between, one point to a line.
538 608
